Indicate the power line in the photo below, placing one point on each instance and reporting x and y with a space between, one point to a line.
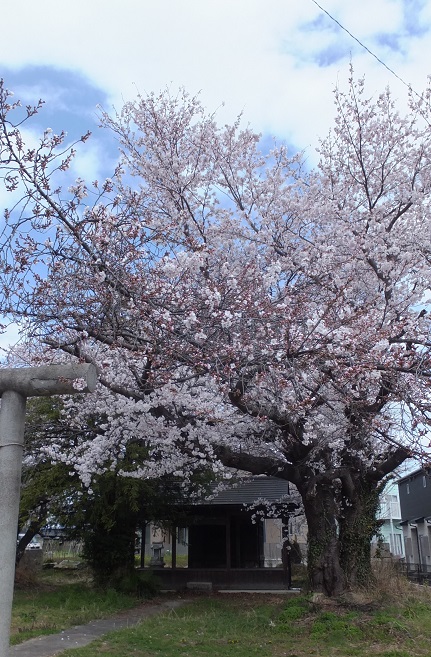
365 47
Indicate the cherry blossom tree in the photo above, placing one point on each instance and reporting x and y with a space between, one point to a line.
242 309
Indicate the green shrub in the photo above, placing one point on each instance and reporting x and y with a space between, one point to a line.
132 582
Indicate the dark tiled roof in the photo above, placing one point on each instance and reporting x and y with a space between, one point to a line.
248 490
412 475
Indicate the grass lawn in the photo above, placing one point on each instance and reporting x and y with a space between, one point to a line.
393 620
61 599
272 626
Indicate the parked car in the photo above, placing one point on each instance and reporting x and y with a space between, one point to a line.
34 544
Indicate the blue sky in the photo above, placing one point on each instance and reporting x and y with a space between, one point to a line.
277 61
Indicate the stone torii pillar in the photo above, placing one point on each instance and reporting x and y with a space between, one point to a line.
15 386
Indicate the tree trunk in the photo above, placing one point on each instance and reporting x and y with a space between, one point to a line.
26 540
34 528
325 571
340 507
357 525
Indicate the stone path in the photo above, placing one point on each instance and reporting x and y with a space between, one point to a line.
82 635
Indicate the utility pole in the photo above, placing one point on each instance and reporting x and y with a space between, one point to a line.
15 386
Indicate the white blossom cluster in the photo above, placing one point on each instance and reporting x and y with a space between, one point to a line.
240 309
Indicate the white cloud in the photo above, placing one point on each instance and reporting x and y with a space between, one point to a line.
369 17
92 162
260 57
8 339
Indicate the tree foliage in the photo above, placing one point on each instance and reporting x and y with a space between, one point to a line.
241 308
47 488
106 517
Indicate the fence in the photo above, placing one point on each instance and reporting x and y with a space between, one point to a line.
55 549
416 572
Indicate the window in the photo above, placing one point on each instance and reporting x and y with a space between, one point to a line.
396 545
394 507
424 481
389 507
408 489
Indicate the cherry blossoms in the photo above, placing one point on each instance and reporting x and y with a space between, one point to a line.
241 309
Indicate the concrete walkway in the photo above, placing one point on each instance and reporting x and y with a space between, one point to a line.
82 635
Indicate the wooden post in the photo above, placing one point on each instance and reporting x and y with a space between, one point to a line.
238 562
228 541
15 386
143 538
285 552
174 546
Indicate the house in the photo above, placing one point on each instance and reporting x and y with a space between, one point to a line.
232 538
415 500
389 541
